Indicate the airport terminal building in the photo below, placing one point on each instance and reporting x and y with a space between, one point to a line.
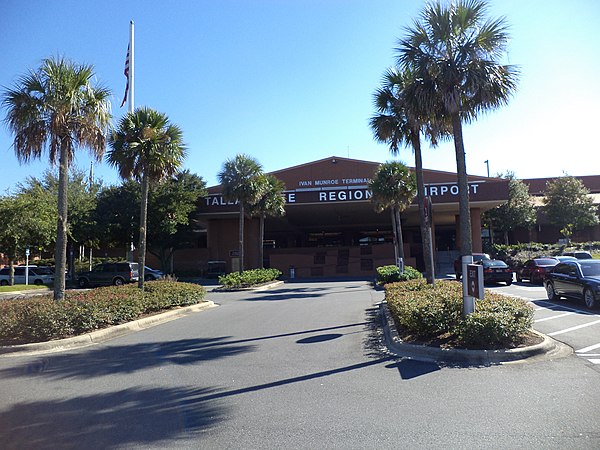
330 227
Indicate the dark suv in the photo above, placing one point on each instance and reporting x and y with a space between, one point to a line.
109 273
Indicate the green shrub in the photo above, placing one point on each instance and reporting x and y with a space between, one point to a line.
498 321
391 274
248 278
41 318
423 312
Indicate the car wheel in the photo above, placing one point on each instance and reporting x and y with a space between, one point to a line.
457 276
3 283
519 279
149 277
82 282
588 297
550 292
118 281
509 282
38 282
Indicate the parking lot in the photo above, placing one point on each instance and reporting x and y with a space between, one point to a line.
568 321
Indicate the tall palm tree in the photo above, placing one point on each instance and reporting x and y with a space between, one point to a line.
400 122
393 187
457 49
271 203
241 181
147 147
58 109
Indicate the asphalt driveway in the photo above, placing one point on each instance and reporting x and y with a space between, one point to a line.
299 366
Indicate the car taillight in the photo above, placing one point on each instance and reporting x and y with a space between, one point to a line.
488 270
131 274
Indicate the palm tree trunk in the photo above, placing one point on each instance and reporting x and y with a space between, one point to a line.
60 252
425 227
143 223
395 231
400 238
466 243
241 269
261 249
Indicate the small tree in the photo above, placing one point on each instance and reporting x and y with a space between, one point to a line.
567 205
394 188
147 147
518 211
241 181
56 108
271 203
28 220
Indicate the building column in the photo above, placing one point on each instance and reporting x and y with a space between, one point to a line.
476 230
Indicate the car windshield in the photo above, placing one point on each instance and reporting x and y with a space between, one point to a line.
546 262
481 257
590 269
494 263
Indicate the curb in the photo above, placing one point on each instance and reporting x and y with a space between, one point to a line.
105 334
547 349
263 287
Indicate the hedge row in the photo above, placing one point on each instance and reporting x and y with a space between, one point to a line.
391 274
38 319
426 312
248 278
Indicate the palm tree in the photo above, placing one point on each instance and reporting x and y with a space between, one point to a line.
57 108
399 122
271 203
393 187
241 181
457 50
148 148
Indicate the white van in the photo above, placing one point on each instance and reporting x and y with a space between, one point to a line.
37 276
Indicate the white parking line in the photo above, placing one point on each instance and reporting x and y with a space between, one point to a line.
568 308
594 361
556 333
587 349
554 317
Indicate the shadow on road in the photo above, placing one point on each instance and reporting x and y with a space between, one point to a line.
125 359
108 420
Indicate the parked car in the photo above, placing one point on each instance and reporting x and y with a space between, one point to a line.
36 276
535 269
575 279
152 274
565 258
495 271
476 257
109 273
579 254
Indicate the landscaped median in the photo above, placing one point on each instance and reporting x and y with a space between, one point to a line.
429 323
248 279
39 319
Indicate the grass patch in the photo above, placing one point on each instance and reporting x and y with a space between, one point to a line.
41 318
433 315
22 287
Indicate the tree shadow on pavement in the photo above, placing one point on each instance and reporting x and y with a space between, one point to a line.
109 420
125 359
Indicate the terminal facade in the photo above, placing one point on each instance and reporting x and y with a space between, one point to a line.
331 229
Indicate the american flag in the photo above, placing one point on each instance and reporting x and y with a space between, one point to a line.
126 72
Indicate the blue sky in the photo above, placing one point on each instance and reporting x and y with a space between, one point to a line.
291 81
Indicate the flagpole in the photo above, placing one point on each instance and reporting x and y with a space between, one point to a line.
131 69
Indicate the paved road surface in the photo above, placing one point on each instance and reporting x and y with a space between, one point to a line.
298 367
